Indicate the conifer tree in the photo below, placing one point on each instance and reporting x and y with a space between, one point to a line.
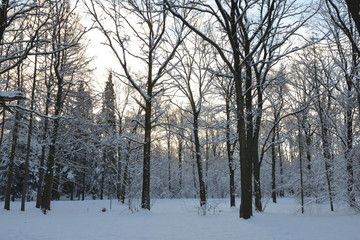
109 134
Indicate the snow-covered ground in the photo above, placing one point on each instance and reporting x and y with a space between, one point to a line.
176 219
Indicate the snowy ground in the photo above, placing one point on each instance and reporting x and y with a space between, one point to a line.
176 219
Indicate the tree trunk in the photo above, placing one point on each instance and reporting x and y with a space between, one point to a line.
348 157
49 176
169 163
119 167
83 187
145 197
103 173
354 9
43 148
281 191
273 169
257 182
245 210
11 161
301 170
28 148
230 153
72 191
55 194
180 166
125 184
199 161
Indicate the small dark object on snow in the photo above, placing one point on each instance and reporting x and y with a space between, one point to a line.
103 210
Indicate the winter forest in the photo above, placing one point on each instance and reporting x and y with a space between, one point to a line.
252 101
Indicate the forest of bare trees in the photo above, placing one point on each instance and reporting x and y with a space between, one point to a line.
249 99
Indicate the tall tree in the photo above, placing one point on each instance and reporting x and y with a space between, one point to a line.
249 41
194 83
147 25
109 134
66 62
226 88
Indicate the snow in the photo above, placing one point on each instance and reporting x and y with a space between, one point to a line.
176 219
11 95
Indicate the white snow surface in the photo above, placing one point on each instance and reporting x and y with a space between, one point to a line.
176 219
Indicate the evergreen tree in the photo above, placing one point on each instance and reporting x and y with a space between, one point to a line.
108 164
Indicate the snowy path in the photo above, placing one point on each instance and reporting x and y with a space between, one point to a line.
174 219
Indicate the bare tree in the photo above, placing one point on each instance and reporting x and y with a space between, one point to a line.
148 25
193 80
65 35
247 48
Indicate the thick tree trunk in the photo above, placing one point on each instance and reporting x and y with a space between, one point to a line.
145 197
257 182
245 210
199 161
354 9
49 176
3 17
348 157
55 194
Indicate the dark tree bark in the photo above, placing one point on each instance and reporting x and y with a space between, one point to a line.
325 136
169 158
354 9
30 129
199 161
15 136
49 175
281 191
230 155
273 168
3 17
145 195
43 148
300 139
180 149
119 162
11 160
